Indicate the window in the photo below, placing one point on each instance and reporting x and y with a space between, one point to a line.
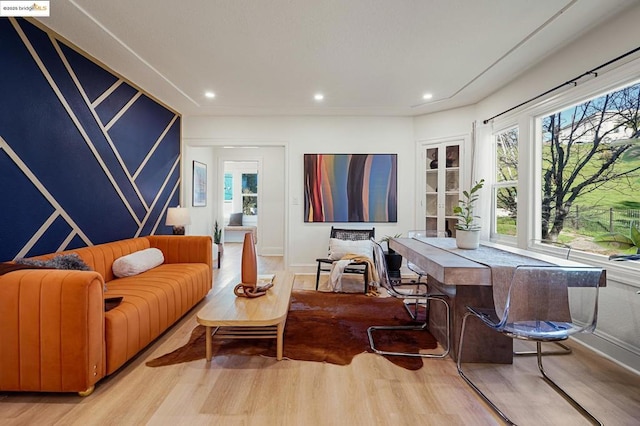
250 194
590 173
505 187
228 187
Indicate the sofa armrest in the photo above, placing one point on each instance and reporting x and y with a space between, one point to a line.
52 330
184 248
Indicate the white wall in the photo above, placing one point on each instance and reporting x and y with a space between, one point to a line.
304 242
201 217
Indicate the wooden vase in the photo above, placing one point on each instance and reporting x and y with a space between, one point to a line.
249 275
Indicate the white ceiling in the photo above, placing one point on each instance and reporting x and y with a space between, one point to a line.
368 57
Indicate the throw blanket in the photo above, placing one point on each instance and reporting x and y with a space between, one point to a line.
338 267
7 267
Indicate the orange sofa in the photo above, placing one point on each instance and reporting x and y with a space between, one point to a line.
55 335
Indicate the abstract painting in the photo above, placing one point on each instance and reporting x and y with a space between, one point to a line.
350 188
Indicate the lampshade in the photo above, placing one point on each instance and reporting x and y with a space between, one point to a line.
178 216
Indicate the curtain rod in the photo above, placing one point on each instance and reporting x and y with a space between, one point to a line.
573 81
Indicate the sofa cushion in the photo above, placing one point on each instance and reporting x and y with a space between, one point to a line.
138 262
338 248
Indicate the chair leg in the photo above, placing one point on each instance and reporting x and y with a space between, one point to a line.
366 278
558 389
565 350
469 382
412 309
424 326
318 276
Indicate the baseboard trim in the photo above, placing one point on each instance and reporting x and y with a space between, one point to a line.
611 351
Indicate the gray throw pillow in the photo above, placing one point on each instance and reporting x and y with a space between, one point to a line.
235 219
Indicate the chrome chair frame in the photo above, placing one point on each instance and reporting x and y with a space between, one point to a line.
379 261
417 303
419 273
490 318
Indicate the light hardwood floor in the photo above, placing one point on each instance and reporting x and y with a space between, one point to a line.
244 390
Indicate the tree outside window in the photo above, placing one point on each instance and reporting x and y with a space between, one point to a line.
591 169
505 188
250 194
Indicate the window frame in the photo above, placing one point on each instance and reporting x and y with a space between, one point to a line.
575 99
249 194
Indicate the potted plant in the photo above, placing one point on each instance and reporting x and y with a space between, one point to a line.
217 237
467 230
385 240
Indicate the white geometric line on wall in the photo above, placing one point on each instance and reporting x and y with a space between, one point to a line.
155 200
155 146
166 205
120 113
37 235
106 93
76 81
73 117
67 241
46 194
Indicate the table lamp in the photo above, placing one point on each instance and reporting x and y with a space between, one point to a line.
178 217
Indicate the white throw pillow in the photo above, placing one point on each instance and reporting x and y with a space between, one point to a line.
338 248
138 262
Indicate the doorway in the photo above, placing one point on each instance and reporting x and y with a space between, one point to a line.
241 196
266 209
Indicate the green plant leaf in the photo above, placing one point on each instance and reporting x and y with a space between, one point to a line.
635 236
615 241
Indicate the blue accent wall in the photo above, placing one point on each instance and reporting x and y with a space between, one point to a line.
85 157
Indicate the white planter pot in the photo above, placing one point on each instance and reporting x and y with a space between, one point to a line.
467 239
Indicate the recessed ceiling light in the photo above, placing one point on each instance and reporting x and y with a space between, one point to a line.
210 95
427 96
318 96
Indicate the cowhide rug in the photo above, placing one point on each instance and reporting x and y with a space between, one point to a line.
322 327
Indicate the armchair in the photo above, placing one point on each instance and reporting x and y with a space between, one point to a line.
356 267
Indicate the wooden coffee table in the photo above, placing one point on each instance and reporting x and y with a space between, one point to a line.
230 317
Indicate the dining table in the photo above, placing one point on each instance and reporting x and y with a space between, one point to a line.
479 278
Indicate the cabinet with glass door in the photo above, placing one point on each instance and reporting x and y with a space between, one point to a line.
442 189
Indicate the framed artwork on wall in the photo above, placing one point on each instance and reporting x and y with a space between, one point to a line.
350 188
199 184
